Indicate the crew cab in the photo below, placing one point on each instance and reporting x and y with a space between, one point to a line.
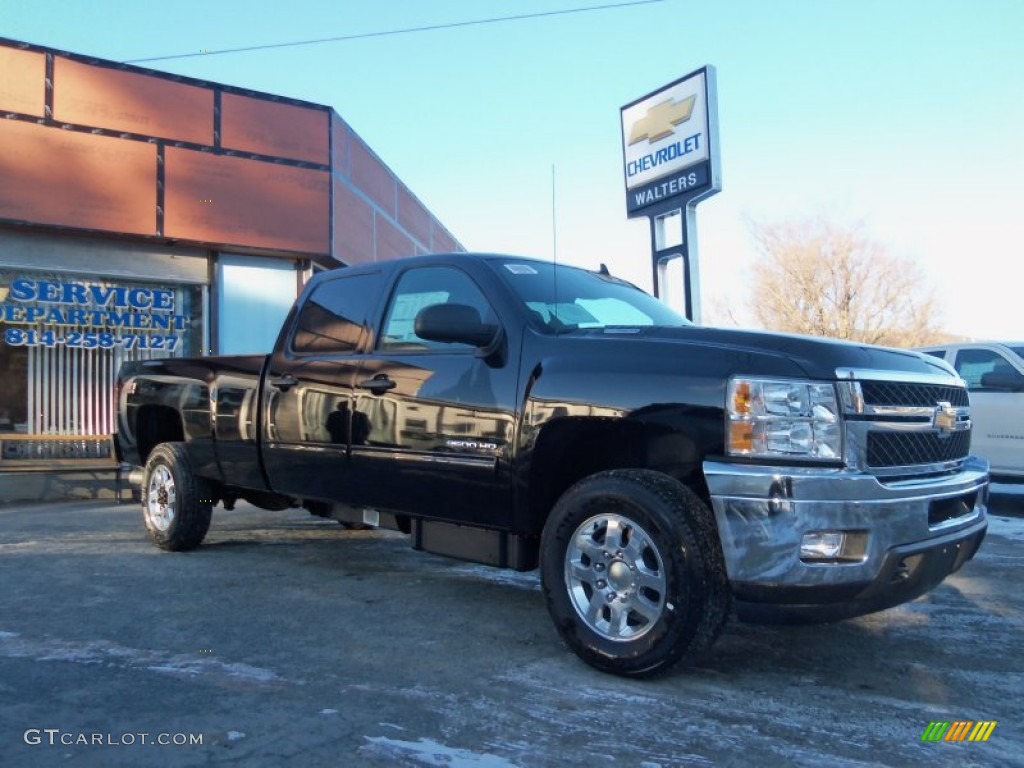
524 414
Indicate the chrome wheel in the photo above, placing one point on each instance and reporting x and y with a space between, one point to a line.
633 573
176 504
615 577
161 498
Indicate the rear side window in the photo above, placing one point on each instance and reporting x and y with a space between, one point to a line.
334 318
939 353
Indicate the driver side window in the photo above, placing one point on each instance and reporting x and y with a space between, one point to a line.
980 368
423 287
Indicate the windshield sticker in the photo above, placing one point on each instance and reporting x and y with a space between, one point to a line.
521 269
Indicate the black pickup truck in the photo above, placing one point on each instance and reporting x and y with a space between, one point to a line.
522 414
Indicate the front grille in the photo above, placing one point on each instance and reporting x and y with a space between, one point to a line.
909 394
903 449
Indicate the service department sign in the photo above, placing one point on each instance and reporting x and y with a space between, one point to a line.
670 143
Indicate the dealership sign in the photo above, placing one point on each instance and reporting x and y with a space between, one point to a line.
670 144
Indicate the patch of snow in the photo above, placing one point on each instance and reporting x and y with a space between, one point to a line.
235 735
328 711
110 654
195 667
1009 527
529 580
174 669
248 672
430 752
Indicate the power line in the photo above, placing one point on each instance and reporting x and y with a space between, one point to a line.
406 30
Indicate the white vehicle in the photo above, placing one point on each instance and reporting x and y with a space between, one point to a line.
994 372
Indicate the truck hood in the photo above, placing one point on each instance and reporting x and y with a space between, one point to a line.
816 357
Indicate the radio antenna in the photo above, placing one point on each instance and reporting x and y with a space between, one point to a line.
554 248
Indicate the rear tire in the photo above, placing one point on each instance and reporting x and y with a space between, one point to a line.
633 572
176 505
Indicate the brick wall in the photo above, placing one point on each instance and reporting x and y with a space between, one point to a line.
376 216
103 147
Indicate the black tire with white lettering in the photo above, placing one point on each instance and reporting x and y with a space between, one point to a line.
176 505
633 572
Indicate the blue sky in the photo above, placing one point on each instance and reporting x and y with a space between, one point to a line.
908 115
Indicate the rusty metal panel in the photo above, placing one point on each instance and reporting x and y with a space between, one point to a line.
22 81
413 216
236 201
372 177
392 243
76 179
340 133
353 226
442 241
84 94
271 128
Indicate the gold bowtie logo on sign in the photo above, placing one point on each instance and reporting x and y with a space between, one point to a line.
661 120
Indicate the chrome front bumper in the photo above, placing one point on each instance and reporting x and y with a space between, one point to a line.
763 512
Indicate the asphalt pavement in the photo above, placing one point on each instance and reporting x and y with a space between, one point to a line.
287 639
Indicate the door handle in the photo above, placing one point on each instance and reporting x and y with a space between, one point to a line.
284 383
378 384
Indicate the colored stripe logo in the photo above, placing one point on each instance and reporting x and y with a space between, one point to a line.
958 730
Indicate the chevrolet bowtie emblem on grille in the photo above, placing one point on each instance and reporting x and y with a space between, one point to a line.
948 419
661 120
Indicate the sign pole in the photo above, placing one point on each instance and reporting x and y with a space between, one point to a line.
656 263
664 250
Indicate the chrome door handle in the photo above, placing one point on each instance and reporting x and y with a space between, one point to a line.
378 384
284 383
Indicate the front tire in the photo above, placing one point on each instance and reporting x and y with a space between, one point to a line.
633 572
176 505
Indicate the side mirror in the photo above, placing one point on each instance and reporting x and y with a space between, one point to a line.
454 324
1009 380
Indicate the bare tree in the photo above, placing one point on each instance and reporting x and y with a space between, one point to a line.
822 278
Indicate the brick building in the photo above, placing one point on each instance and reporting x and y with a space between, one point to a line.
145 214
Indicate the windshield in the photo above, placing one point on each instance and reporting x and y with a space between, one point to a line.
566 298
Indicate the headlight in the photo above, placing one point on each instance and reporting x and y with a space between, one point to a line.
777 417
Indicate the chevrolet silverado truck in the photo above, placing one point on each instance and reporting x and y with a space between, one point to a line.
524 414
